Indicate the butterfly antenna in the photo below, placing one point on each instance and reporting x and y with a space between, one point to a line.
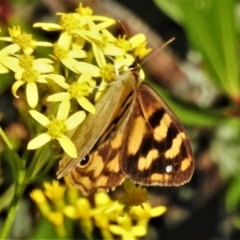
123 27
163 46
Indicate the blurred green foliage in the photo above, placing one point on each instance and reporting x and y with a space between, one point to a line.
211 29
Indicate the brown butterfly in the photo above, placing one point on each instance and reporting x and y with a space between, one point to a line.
135 135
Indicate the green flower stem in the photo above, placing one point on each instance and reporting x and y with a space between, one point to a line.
19 189
19 186
5 139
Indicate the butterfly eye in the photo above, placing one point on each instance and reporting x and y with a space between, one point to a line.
84 161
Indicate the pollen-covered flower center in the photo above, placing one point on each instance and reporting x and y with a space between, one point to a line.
69 22
26 61
59 51
24 40
30 75
138 197
107 73
78 90
56 128
141 196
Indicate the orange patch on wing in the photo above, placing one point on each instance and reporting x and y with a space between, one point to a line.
185 164
175 148
136 135
160 132
146 162
117 142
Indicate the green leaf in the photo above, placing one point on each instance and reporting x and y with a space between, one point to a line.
211 29
232 199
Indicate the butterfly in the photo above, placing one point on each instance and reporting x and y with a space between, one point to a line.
133 134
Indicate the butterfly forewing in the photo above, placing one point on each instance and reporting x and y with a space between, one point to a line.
157 151
102 124
98 164
100 169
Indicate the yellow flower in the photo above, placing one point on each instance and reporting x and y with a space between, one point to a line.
135 196
78 90
82 23
126 229
134 47
41 201
82 211
146 211
29 71
38 196
105 47
57 129
65 54
102 202
22 40
134 224
54 191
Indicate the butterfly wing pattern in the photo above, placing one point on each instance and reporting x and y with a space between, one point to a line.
157 147
133 134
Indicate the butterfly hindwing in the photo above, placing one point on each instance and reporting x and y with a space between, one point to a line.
157 151
99 169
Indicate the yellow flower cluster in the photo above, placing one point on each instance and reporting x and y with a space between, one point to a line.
81 58
127 218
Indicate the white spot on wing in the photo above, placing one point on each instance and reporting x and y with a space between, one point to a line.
169 168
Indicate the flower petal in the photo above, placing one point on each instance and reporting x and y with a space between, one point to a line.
42 78
57 97
38 141
139 231
82 67
69 63
58 79
65 39
99 56
70 212
43 67
75 119
3 69
68 146
43 120
32 94
63 110
137 40
86 104
16 86
77 54
44 44
10 49
157 211
12 63
48 26
85 77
